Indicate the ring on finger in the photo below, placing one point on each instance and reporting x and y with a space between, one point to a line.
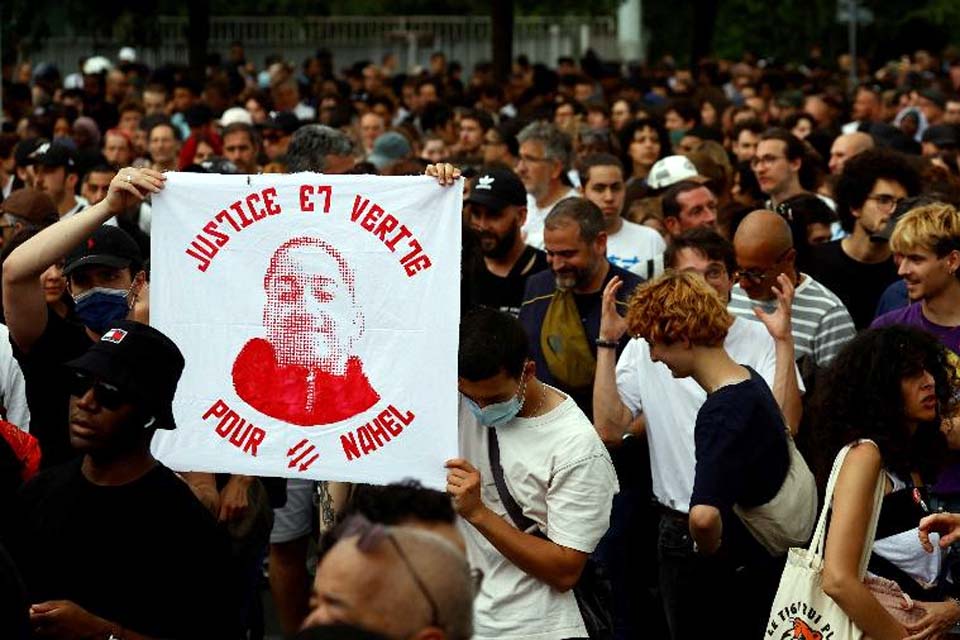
128 178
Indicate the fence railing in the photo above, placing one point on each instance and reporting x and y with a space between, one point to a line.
353 38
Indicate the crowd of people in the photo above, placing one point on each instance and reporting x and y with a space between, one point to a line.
677 285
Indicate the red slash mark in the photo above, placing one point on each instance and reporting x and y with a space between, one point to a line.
291 452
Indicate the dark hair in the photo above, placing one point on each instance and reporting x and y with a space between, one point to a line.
862 171
686 109
584 213
482 117
795 148
597 160
435 116
860 396
669 204
791 121
706 241
394 503
753 126
626 138
800 212
165 122
241 127
748 181
99 168
507 132
490 342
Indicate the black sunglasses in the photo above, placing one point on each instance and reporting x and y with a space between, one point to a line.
107 395
370 536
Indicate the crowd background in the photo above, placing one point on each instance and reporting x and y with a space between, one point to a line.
743 170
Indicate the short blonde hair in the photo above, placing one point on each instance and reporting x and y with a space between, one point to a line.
678 305
934 227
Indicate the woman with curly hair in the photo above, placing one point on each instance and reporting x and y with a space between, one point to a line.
887 387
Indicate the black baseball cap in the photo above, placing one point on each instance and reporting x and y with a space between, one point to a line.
55 154
109 246
24 153
496 189
283 121
138 360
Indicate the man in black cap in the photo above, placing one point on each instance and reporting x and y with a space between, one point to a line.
103 267
277 131
932 102
496 210
939 138
26 175
115 545
58 175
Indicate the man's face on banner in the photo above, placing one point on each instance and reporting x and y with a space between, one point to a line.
311 316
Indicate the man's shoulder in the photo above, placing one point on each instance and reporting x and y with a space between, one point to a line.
51 481
904 315
539 286
629 279
746 338
817 294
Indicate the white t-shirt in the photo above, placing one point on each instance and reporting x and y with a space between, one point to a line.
633 246
559 472
670 405
533 227
13 389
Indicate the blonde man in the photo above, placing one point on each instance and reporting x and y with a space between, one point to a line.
926 242
739 438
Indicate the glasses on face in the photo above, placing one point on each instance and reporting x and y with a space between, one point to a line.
757 276
370 537
885 201
765 160
107 395
531 160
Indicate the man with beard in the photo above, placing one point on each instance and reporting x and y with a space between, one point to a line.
561 307
496 209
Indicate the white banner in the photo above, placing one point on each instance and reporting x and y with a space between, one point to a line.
318 318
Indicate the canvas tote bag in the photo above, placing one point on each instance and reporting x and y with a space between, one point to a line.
801 609
787 520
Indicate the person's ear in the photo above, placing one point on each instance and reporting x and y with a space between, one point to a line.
672 223
953 262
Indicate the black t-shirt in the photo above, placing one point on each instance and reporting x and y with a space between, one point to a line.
47 382
505 294
858 284
146 555
741 447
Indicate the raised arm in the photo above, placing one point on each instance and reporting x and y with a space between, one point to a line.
23 301
786 387
611 417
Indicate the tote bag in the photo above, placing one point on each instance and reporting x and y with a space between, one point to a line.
786 520
801 609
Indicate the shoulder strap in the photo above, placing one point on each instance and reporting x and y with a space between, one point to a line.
522 522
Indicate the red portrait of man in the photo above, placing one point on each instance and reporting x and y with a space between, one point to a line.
306 371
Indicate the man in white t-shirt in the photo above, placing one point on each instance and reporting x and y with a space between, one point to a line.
630 246
691 587
553 467
545 153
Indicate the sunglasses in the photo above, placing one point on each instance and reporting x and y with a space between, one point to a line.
370 537
107 395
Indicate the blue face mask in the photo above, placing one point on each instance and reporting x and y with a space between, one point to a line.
498 413
101 307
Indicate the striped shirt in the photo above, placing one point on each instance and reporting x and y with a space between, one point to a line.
821 324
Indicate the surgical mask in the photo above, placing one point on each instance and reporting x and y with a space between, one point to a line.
101 307
498 413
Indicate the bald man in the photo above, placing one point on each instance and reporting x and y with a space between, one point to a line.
847 146
402 582
821 323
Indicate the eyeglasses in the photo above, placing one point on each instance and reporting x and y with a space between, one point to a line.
107 395
531 159
756 276
756 161
886 201
370 537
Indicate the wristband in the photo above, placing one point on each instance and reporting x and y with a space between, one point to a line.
606 344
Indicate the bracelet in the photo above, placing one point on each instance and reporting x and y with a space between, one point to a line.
606 344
